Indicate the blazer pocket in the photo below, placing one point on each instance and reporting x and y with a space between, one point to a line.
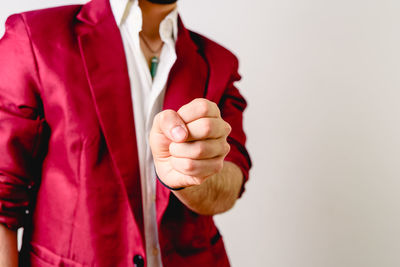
36 261
42 257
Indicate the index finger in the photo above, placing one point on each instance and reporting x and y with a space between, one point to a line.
199 108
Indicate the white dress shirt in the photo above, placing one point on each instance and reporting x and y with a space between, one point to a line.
147 99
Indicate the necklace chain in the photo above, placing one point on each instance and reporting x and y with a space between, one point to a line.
155 52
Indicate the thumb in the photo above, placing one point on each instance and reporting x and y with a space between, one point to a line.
171 125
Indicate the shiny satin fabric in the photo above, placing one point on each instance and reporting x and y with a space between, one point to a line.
68 148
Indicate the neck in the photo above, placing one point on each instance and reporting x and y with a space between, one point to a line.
152 15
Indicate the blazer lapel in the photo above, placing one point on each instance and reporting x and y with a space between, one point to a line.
188 80
103 54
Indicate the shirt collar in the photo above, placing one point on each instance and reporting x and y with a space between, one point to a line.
122 9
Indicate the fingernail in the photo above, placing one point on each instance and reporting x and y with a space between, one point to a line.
178 133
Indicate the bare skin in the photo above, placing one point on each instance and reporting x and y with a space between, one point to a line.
216 194
189 147
8 247
152 15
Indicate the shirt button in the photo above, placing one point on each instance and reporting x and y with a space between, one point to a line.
155 251
138 261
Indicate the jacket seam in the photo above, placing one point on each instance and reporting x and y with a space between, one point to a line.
69 251
36 64
40 122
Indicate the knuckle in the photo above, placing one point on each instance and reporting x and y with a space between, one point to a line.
161 116
165 114
202 106
219 165
200 100
199 149
188 165
172 148
227 148
215 107
228 128
207 127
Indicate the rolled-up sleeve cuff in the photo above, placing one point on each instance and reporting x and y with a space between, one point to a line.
13 205
239 156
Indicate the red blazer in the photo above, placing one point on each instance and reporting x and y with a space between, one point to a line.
68 158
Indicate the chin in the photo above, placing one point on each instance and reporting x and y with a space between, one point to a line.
162 1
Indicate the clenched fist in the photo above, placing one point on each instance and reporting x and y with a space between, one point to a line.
190 145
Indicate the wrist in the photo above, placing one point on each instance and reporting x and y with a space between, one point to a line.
167 186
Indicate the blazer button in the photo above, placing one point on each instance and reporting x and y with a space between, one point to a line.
138 261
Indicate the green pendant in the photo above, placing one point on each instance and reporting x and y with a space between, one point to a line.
153 66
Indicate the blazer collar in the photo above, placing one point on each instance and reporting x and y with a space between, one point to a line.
103 55
95 11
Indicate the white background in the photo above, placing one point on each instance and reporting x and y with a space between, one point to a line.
322 79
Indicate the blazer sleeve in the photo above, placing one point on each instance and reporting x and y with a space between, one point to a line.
21 122
232 105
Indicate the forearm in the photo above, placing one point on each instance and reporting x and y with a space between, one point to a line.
8 247
215 195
